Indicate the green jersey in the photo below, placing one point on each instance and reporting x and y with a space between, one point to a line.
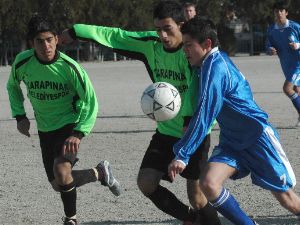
162 65
60 92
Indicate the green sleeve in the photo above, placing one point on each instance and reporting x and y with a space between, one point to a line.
116 38
15 94
87 104
190 99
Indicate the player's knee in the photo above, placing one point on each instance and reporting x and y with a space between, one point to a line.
288 89
209 186
146 187
62 173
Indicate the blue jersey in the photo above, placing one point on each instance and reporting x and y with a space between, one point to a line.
224 95
279 38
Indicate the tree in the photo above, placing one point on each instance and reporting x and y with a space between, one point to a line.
127 14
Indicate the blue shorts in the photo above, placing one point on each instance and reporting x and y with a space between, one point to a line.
265 161
294 79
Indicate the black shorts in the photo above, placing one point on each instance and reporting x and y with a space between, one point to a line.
160 153
51 145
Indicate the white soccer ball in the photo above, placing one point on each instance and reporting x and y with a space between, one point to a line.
161 101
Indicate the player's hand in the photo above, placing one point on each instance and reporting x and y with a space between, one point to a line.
65 38
23 127
294 45
174 168
71 145
272 51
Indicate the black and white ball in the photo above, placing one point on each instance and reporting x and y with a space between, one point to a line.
161 101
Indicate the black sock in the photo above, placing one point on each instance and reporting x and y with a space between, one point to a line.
68 196
208 215
82 177
167 202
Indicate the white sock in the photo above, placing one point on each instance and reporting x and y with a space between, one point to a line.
96 173
72 217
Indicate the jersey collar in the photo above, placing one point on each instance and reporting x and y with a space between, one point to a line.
56 56
173 49
215 49
277 26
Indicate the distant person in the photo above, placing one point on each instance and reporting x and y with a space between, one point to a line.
248 144
162 54
235 23
189 10
65 108
283 39
230 30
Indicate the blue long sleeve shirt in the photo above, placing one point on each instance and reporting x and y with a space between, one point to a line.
224 95
279 38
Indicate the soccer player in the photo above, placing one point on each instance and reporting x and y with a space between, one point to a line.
248 142
189 10
283 39
65 108
165 61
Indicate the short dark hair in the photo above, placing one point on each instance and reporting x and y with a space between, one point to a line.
189 4
39 23
201 29
168 9
281 5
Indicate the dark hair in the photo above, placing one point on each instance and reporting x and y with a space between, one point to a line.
168 9
201 29
37 24
281 5
189 4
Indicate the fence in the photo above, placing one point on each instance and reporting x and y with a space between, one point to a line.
252 42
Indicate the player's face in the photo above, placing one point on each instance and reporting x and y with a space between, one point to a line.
189 12
169 32
280 16
195 52
44 45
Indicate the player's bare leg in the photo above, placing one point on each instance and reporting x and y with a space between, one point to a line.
211 183
196 196
148 182
63 177
66 181
289 200
206 213
292 92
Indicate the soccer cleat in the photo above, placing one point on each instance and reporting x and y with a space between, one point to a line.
255 223
68 221
108 178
